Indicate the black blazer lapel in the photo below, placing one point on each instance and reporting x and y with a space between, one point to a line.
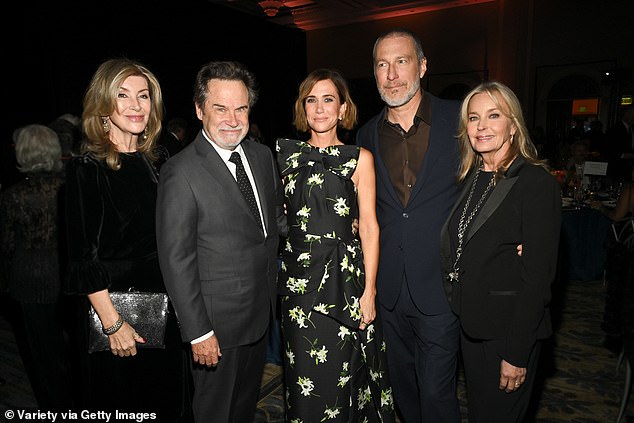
498 195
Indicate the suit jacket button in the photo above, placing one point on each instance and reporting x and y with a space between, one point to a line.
405 215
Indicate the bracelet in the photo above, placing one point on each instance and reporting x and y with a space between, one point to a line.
112 329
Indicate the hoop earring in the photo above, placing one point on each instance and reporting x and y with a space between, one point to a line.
105 124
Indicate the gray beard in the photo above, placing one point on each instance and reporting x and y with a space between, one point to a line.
397 102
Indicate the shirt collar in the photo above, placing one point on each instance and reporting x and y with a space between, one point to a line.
422 114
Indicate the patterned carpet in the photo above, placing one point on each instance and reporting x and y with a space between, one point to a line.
578 377
579 381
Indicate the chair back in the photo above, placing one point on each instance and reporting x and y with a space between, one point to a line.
623 229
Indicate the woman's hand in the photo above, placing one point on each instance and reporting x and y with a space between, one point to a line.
367 306
123 342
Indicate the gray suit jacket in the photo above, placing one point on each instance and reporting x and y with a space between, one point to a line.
219 268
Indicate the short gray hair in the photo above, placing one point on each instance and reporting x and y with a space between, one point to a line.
37 149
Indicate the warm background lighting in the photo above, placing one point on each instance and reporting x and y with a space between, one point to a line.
271 7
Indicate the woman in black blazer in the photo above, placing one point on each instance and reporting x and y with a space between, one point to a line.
501 296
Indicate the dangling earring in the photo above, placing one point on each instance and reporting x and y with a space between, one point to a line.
105 124
145 134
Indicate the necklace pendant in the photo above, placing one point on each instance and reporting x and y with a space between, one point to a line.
453 277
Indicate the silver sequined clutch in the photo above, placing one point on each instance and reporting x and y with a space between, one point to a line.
146 312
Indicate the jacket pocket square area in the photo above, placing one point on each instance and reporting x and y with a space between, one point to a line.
146 312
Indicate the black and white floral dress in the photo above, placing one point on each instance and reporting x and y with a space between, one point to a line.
333 371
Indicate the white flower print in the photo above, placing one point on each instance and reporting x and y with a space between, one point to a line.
316 179
354 308
344 332
386 398
310 238
299 316
326 275
323 308
344 263
341 208
297 285
290 355
320 356
333 151
306 384
304 259
303 215
289 188
343 380
331 413
304 212
363 397
351 164
369 333
344 375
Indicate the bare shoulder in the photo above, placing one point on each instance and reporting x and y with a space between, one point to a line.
366 159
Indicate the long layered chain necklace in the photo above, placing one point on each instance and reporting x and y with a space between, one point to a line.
465 220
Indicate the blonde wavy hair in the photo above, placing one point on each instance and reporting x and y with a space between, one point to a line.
509 105
100 100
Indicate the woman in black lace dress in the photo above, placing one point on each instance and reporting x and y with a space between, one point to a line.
111 200
334 364
30 260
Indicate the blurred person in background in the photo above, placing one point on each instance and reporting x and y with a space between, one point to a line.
31 262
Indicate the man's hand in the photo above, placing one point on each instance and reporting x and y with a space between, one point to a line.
207 352
511 377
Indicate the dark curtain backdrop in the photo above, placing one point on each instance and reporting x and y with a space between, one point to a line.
55 47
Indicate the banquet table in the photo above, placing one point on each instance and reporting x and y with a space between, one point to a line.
584 232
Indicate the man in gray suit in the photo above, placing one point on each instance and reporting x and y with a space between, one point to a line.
218 252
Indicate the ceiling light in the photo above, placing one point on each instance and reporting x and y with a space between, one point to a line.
271 7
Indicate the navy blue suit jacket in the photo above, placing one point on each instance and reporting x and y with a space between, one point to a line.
410 235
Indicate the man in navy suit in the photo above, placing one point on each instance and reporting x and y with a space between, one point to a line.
416 160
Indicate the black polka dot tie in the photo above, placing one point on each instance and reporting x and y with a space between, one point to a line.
245 185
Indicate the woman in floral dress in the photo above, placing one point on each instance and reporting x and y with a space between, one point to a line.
334 364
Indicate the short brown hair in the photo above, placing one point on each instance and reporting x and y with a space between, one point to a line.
349 119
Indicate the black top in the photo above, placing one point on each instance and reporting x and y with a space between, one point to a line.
29 241
111 226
